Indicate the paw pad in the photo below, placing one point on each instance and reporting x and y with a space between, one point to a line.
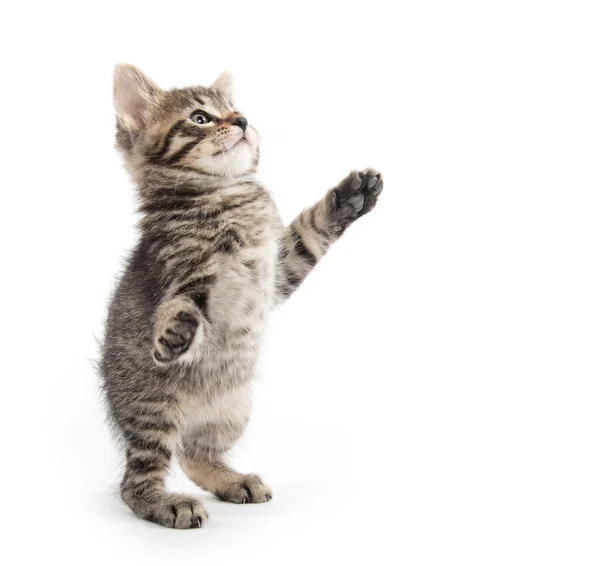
355 196
175 338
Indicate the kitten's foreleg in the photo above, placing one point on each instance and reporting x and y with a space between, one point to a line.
311 233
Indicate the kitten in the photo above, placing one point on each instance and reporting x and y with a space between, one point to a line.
213 259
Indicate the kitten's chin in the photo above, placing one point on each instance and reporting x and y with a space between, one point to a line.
235 163
239 160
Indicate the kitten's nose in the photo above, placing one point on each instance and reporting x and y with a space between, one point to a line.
241 122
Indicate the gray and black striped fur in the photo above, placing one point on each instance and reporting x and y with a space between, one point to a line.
185 323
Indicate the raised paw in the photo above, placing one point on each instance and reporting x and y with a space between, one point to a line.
174 511
356 195
248 489
174 336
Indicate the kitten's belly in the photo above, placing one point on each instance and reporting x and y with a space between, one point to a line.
234 406
238 307
215 424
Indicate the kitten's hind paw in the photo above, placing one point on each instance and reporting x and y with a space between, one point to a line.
175 335
173 510
247 488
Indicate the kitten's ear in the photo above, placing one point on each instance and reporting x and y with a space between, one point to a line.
135 96
223 85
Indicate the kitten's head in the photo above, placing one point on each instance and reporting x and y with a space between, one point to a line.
193 129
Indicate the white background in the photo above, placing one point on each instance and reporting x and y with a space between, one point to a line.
431 394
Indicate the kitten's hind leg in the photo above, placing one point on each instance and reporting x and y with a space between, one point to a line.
150 436
219 479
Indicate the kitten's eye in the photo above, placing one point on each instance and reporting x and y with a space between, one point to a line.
200 117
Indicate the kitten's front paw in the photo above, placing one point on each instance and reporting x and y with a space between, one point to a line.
175 336
356 195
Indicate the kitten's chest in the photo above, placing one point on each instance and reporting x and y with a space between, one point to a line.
243 292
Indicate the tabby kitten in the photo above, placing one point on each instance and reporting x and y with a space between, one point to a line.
213 259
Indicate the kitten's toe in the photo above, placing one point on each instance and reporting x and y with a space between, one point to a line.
250 489
189 515
177 512
371 188
372 181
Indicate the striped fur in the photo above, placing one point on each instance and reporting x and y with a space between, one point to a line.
185 323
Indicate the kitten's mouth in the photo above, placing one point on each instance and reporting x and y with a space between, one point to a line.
243 140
